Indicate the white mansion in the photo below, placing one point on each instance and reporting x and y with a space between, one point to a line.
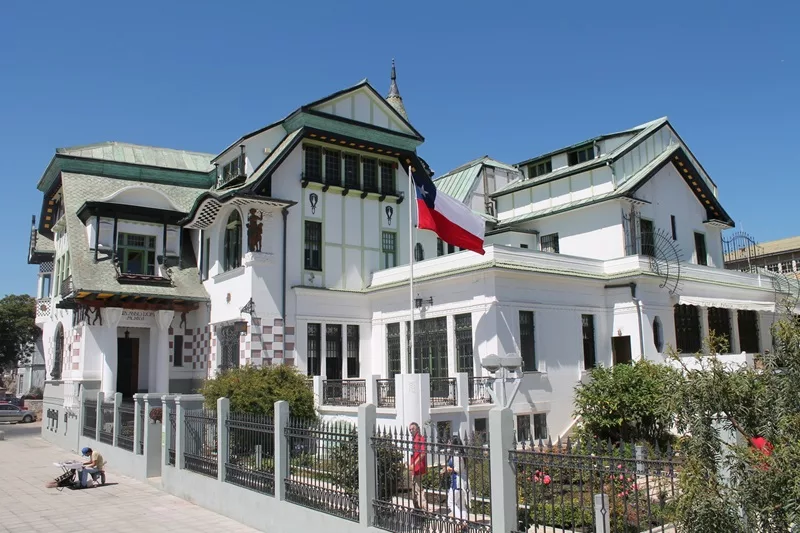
158 267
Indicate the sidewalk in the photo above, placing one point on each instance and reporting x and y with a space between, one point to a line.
124 505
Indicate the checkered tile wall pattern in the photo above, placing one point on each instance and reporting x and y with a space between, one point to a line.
270 342
196 346
74 346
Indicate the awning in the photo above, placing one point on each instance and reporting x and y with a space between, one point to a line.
726 303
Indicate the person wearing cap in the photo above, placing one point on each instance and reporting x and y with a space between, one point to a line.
94 465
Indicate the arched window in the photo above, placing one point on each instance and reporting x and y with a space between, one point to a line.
58 352
232 256
419 253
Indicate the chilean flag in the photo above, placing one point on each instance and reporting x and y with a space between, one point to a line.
452 221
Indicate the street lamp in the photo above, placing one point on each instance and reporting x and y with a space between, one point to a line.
503 370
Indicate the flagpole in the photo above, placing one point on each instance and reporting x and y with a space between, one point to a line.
412 202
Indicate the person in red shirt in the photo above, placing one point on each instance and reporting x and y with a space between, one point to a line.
418 466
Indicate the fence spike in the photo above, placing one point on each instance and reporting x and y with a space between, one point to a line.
569 445
559 442
658 450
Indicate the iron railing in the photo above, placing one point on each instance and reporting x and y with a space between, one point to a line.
323 467
200 441
106 432
427 486
479 390
443 392
66 287
90 419
344 392
386 394
143 419
172 437
127 416
251 452
631 488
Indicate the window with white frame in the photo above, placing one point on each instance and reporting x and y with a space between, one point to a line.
136 254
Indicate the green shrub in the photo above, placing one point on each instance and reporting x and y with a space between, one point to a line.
255 390
628 403
344 465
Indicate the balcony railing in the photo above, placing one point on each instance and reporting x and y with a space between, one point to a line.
443 392
344 392
386 395
66 287
42 307
479 391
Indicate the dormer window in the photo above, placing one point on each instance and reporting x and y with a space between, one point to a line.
137 254
540 168
234 169
581 155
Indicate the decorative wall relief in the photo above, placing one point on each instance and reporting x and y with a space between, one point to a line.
313 199
255 227
389 214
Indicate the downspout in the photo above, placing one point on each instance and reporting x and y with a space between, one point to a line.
638 302
285 212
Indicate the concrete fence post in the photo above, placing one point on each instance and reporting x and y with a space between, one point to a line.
223 412
281 420
602 514
462 389
98 420
504 494
180 432
318 394
137 424
367 468
372 389
166 430
117 418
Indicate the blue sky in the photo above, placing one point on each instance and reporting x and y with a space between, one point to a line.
508 79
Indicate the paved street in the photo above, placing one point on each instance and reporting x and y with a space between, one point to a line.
124 505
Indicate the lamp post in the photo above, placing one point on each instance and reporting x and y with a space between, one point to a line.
504 370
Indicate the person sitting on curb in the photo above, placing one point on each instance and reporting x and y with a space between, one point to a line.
95 465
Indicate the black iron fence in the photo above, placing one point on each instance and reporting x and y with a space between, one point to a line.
143 419
443 392
251 452
386 394
626 488
172 436
323 467
90 419
431 486
127 417
200 441
106 431
479 390
345 392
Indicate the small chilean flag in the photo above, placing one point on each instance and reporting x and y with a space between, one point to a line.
452 221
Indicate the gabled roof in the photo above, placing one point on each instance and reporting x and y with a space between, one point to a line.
460 182
627 190
642 132
363 84
136 154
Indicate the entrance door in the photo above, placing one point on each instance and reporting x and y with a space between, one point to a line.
127 366
621 350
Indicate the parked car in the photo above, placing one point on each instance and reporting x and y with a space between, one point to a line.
12 413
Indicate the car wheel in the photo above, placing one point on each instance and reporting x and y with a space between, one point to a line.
27 419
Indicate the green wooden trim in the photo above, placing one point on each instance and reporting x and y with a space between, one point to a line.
340 127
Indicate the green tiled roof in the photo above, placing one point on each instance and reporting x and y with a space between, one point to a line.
142 155
460 182
623 190
101 276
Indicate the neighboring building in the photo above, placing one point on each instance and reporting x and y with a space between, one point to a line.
781 256
160 267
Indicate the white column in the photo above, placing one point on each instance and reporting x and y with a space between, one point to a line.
108 343
704 328
160 359
735 346
405 368
452 365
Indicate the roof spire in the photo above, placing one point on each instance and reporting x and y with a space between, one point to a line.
394 99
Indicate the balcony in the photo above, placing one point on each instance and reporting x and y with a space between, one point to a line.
479 391
443 392
344 392
66 287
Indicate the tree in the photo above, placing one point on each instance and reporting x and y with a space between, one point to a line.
18 331
754 404
255 390
628 402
